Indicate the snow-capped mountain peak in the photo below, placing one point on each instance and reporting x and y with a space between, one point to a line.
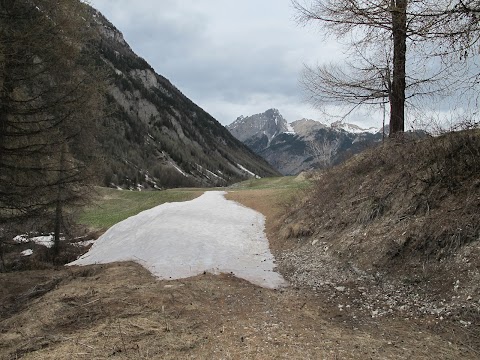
302 145
352 128
269 123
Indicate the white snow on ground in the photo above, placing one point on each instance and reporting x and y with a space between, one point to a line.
178 169
43 240
211 173
27 252
355 129
84 243
248 171
46 240
179 240
202 169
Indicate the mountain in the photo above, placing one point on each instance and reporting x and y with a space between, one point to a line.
304 144
270 123
155 136
352 128
306 127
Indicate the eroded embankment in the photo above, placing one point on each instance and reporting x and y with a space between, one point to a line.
395 230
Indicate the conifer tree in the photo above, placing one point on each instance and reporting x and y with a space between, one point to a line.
50 98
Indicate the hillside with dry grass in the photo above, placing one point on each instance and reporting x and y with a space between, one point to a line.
398 226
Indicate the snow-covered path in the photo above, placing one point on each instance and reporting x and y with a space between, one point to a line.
179 240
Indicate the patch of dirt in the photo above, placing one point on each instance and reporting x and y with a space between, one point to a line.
121 311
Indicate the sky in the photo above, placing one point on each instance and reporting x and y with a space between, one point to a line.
230 57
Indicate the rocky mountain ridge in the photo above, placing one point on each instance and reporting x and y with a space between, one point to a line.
154 136
304 144
270 123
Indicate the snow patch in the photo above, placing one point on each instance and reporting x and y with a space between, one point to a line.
27 252
206 172
290 129
352 128
180 240
179 170
211 173
84 243
248 171
44 240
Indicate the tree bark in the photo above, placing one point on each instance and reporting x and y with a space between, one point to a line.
397 96
59 202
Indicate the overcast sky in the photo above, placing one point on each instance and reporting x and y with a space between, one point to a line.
231 57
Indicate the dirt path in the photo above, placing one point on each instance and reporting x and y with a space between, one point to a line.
121 311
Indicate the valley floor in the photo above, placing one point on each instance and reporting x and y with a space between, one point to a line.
121 311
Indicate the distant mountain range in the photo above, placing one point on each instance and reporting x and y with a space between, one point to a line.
304 144
154 136
270 123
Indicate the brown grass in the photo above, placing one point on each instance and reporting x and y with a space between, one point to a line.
121 311
415 202
405 216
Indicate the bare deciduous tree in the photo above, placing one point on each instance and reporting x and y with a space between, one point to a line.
398 51
324 151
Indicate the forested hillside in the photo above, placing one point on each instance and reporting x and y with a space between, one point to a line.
50 100
154 135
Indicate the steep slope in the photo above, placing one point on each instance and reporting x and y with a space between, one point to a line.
404 218
155 136
305 144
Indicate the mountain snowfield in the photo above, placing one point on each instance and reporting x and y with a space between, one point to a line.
352 128
180 240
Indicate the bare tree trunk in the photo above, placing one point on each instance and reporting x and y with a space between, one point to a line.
6 88
3 267
59 203
397 99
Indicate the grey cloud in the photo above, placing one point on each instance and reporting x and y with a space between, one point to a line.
231 57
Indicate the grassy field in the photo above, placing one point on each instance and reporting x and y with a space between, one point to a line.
283 182
113 206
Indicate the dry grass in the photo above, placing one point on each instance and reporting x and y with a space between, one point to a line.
407 201
405 216
121 311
